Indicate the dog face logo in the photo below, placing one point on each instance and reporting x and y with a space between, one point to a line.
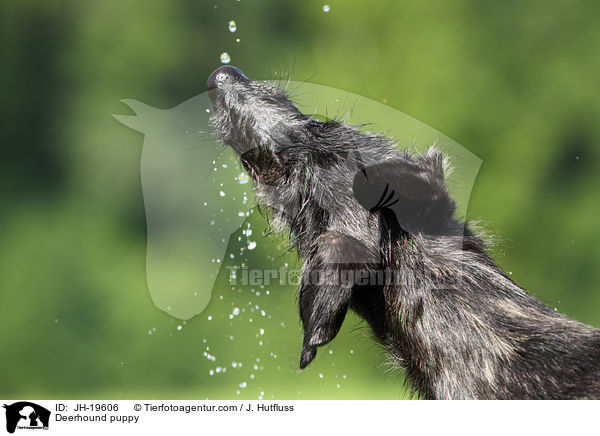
26 415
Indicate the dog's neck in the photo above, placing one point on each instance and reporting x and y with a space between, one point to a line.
485 337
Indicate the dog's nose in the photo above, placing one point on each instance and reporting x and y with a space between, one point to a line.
224 74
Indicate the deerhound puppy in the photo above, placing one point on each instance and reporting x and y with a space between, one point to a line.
375 227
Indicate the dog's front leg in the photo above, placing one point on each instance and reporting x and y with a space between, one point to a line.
326 288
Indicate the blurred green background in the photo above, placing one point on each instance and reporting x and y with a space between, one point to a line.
515 82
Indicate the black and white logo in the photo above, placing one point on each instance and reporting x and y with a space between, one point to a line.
26 415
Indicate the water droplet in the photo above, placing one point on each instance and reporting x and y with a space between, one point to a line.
251 245
225 58
320 375
232 26
326 8
236 311
243 385
262 331
221 193
237 39
209 317
179 327
242 178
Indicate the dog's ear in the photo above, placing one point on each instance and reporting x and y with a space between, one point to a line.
326 289
412 192
322 310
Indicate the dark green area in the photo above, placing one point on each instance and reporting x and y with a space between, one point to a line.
515 82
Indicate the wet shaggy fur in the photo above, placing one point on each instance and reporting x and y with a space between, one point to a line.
357 208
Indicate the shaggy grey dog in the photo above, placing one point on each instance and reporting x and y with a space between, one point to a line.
375 227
